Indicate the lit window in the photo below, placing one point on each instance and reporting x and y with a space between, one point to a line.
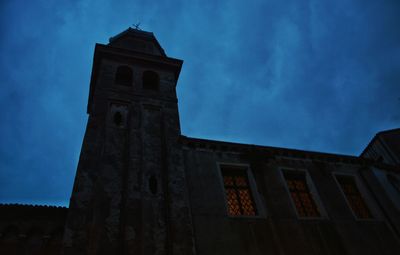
123 76
239 199
300 194
353 196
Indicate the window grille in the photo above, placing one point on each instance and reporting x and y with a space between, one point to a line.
353 196
239 199
300 194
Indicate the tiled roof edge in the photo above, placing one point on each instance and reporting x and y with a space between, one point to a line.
32 206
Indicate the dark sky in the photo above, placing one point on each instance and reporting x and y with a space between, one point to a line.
311 74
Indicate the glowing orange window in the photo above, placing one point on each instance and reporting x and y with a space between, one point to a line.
353 196
239 198
300 194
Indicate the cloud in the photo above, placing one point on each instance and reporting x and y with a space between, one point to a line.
315 75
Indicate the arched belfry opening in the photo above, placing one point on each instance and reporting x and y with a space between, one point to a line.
151 80
124 76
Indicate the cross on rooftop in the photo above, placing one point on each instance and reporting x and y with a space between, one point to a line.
136 26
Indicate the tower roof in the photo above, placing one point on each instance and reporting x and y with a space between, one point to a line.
137 40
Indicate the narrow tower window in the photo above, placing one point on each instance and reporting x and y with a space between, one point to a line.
239 199
117 119
123 76
118 116
150 80
353 196
153 185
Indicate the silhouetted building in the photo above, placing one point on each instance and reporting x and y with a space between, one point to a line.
143 188
384 147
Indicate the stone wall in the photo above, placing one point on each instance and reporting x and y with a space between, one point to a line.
129 195
279 230
28 230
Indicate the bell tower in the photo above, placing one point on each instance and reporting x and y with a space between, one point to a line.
130 194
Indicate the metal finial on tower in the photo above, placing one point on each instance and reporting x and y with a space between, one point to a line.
136 26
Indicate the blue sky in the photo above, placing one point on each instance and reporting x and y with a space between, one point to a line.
312 74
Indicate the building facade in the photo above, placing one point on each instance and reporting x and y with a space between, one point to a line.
141 187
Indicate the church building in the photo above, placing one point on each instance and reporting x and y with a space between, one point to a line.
143 188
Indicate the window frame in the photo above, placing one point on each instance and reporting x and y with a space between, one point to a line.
313 192
115 107
258 204
364 195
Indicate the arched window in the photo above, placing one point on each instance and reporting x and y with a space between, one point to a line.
123 76
150 80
